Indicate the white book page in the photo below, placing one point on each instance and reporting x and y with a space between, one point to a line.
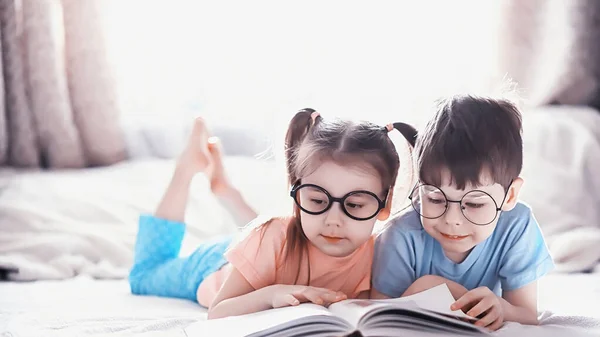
353 310
438 299
247 324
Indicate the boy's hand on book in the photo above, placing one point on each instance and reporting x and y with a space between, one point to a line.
290 295
482 303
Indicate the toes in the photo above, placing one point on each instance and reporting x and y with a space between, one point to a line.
214 146
200 129
199 122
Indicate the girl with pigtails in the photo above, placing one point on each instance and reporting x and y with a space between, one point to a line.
341 176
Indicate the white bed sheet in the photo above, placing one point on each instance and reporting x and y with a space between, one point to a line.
83 306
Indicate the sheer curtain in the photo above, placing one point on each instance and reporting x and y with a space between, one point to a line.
253 64
58 108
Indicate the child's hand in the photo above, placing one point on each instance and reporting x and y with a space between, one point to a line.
482 302
290 295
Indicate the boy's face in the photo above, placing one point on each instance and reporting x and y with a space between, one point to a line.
453 230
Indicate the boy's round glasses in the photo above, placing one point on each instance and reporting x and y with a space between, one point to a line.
477 206
357 205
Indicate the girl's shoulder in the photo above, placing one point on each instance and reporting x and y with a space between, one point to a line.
267 227
269 222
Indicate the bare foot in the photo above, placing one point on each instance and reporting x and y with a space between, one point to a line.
196 155
215 173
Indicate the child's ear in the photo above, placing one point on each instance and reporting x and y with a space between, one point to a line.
384 214
512 196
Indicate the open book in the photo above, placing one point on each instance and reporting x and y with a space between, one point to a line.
426 312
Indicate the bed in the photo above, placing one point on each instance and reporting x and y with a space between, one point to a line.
71 233
83 306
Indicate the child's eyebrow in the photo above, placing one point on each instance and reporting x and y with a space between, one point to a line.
432 189
312 188
477 194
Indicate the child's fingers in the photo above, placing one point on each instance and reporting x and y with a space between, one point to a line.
480 307
333 296
463 301
313 296
340 296
285 300
328 295
470 296
290 299
489 318
497 324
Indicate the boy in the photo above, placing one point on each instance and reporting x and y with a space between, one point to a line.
466 227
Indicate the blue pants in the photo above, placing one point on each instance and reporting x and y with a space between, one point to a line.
159 271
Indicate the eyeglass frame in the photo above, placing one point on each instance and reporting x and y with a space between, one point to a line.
297 186
459 202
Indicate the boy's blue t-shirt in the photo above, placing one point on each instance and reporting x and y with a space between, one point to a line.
513 256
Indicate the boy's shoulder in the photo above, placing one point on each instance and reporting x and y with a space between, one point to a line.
520 216
522 210
516 224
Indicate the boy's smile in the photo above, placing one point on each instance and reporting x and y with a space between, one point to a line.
454 237
456 234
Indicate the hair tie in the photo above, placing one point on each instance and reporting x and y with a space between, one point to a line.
314 116
389 127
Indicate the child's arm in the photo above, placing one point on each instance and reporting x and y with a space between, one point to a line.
376 295
518 305
521 304
238 297
525 259
364 295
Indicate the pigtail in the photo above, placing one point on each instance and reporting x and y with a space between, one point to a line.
296 242
406 174
408 131
298 128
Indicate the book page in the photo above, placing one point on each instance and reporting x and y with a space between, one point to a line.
353 310
438 299
256 322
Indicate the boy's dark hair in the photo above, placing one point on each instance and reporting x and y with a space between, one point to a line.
467 136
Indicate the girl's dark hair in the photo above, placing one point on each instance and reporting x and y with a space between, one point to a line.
311 141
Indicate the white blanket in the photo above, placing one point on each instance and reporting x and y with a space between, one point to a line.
83 306
56 225
562 184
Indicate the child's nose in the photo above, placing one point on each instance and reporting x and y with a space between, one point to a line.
334 215
454 214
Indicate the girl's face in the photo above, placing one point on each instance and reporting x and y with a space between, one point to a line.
334 232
